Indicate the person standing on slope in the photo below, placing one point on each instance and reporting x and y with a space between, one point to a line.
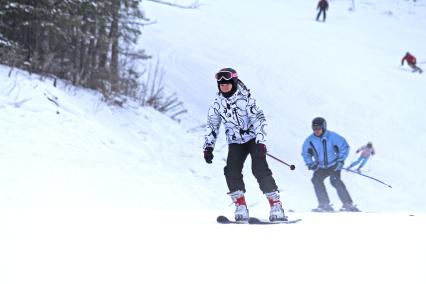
411 61
322 7
244 123
325 152
366 152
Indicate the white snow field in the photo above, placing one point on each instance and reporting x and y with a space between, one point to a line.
91 193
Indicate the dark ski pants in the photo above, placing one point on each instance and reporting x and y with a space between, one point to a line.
318 180
323 14
237 154
416 68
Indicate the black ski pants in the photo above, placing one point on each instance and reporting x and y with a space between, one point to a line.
416 68
318 180
237 155
321 10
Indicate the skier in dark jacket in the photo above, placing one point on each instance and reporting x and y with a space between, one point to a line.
244 124
322 7
411 61
325 152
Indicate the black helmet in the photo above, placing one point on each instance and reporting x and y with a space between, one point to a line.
369 144
319 122
227 76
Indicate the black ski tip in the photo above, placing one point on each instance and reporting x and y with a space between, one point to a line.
223 220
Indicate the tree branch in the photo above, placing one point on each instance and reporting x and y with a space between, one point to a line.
194 5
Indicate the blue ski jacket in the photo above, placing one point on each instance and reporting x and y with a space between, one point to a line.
325 150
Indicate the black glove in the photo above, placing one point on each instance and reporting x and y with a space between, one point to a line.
339 166
313 166
208 155
261 150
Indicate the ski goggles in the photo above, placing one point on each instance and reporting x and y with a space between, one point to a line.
225 75
316 127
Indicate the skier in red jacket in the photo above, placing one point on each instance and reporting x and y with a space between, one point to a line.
411 61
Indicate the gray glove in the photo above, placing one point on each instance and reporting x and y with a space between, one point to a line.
313 166
339 166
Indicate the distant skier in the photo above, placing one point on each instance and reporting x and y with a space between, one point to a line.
366 152
325 152
411 61
322 7
244 122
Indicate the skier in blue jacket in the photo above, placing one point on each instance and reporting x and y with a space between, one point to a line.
325 152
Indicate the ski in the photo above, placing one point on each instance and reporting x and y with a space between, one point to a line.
257 221
225 220
339 211
254 221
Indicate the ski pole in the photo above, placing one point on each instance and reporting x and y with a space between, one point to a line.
368 177
292 167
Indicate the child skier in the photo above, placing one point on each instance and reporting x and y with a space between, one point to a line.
244 124
366 152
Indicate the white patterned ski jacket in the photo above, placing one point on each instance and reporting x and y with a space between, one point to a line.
242 118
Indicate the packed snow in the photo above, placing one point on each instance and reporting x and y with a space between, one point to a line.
92 193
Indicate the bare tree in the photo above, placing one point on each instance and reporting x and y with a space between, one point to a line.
153 94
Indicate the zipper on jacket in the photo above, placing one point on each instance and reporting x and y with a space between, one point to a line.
236 116
238 121
324 143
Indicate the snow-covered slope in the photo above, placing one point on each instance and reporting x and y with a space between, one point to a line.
346 70
91 193
63 147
